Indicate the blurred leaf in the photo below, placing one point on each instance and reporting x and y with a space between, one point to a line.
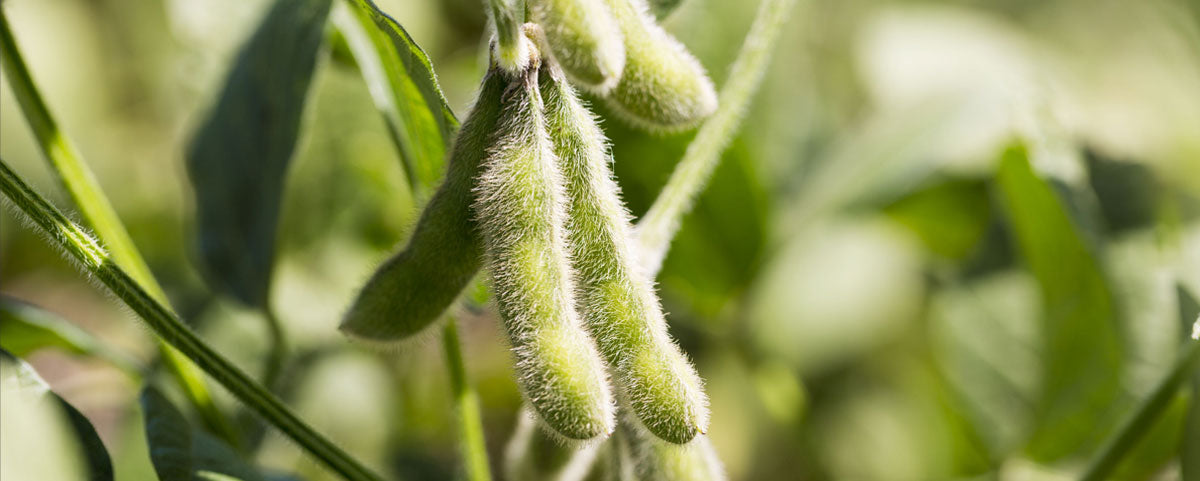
950 216
180 453
1081 347
25 328
239 156
983 336
1128 192
402 82
16 373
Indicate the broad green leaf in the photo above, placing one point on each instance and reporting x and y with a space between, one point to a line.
24 389
400 78
1079 329
180 453
239 156
950 216
25 328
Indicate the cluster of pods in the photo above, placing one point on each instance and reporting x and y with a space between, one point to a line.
529 193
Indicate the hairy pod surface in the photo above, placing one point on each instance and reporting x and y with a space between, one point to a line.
412 289
663 87
584 39
519 207
617 300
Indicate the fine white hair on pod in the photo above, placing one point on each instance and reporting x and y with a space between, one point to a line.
663 87
519 207
617 298
584 39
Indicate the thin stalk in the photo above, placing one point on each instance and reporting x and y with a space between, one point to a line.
278 349
511 49
1144 416
80 246
470 426
85 192
661 222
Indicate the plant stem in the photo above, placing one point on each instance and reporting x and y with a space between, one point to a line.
82 247
1144 416
470 426
661 222
85 192
278 349
507 16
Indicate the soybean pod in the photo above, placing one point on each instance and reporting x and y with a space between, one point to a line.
583 37
663 87
412 289
519 208
618 301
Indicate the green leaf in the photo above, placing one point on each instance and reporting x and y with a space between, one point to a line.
25 328
1079 328
180 453
21 383
400 78
950 216
168 436
239 156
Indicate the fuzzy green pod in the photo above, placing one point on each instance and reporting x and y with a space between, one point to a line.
519 207
618 302
412 289
584 38
663 86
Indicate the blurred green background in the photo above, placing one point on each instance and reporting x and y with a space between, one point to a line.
871 287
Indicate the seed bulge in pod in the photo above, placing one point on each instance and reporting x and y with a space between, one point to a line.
412 289
663 87
584 39
618 303
519 207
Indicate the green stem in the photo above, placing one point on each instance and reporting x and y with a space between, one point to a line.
507 16
80 246
470 426
661 222
1144 417
85 192
278 349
